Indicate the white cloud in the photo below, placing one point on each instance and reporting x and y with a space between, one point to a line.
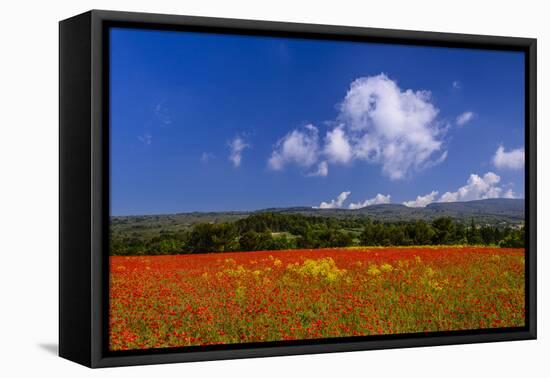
337 147
422 201
236 146
392 127
334 204
457 84
207 156
300 147
514 159
161 111
146 138
378 123
510 194
322 170
376 200
464 118
476 188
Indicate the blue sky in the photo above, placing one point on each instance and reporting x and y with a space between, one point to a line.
205 122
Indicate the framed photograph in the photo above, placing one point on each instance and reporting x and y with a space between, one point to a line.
234 188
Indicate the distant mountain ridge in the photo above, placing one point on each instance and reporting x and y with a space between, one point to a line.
490 211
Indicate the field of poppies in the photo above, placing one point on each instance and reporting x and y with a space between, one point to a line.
202 299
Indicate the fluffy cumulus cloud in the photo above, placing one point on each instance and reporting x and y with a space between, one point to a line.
509 194
236 147
300 147
422 201
335 203
379 199
392 127
337 146
378 123
322 170
513 159
477 187
464 118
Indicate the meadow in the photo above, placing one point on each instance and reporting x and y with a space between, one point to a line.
240 297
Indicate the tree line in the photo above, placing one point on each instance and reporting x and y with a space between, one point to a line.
274 231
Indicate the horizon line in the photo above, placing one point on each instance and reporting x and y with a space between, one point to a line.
314 208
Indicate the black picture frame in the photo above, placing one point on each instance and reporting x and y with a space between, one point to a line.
84 186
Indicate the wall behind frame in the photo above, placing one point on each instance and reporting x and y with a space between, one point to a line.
29 156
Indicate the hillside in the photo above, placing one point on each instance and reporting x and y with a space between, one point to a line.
491 211
488 211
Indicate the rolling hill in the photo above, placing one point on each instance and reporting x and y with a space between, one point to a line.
487 211
491 211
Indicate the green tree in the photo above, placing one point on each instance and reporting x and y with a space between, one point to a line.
473 234
209 237
443 230
423 233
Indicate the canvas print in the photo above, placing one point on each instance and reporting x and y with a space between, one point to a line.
267 189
